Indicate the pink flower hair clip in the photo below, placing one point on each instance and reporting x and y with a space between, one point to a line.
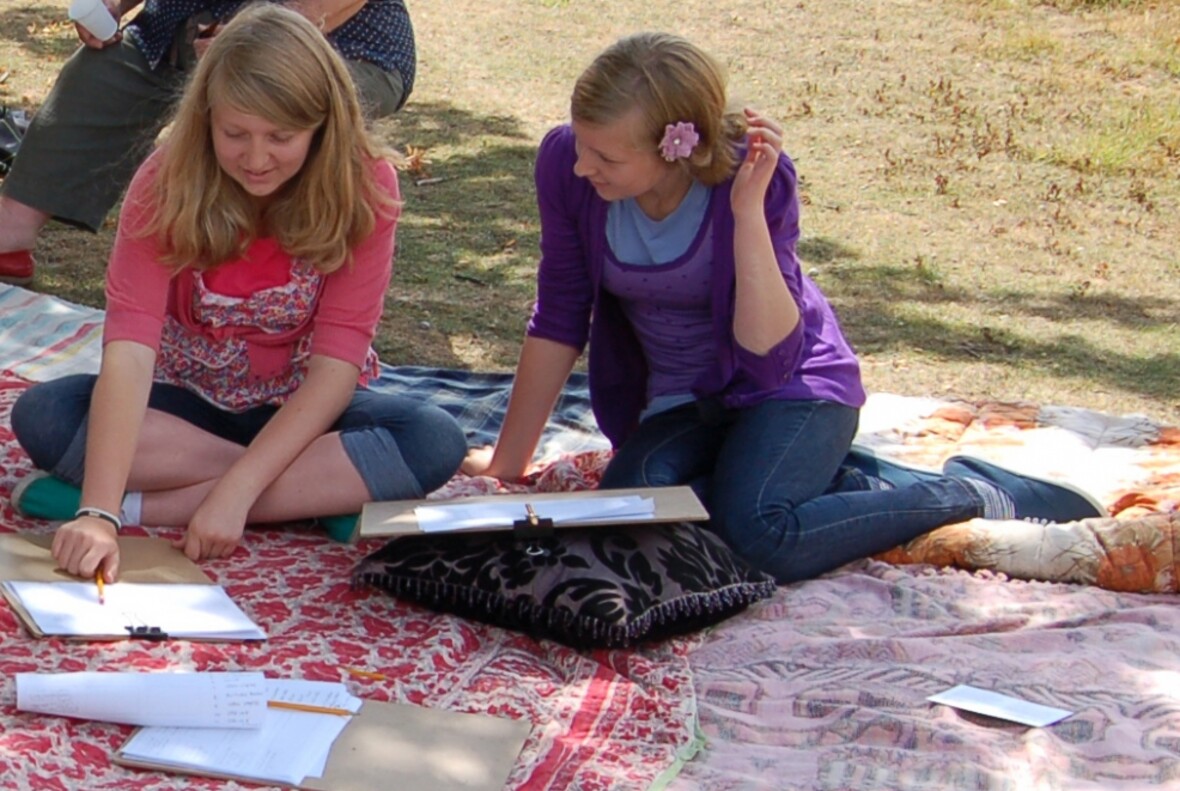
679 141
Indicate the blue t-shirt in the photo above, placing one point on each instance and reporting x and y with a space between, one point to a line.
636 238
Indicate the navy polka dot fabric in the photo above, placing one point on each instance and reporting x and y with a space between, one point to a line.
379 33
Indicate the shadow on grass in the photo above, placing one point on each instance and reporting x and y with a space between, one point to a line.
467 252
873 306
23 26
431 124
467 240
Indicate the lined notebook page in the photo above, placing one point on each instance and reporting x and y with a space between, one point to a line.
289 747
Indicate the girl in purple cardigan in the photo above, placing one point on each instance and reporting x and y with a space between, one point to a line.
668 234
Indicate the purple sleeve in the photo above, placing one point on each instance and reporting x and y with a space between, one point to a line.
565 288
782 216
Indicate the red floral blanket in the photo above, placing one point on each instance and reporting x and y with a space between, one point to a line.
605 720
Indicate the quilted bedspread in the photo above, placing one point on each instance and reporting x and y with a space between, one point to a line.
823 686
1130 464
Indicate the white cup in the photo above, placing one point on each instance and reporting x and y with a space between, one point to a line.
95 17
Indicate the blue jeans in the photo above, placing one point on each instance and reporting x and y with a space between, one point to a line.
401 447
766 474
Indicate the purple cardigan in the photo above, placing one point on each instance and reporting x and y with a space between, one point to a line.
572 307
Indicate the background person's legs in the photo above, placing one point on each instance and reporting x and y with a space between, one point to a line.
85 142
382 93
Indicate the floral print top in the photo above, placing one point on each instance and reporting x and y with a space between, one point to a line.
220 365
243 334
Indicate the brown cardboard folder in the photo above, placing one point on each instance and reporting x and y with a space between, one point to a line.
411 748
27 558
395 518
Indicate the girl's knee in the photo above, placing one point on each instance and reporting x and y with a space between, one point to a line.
45 419
754 534
435 461
409 461
24 418
626 472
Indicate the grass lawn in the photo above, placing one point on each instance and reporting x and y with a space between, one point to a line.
991 186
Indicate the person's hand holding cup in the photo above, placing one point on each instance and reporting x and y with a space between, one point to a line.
205 34
96 22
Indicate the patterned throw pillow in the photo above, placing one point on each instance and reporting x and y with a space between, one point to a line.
606 587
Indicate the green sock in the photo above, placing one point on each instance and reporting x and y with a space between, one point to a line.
47 497
340 528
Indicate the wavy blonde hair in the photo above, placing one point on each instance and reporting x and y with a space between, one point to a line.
272 63
670 80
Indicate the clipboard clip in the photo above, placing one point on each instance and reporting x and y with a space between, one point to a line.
532 528
152 634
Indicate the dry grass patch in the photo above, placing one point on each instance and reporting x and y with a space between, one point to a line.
990 186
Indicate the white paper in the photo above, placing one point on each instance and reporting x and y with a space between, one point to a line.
289 747
202 700
179 610
994 704
467 516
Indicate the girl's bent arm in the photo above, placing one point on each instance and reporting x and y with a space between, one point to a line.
217 526
117 409
765 309
540 374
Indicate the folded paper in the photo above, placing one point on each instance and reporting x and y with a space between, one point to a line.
201 700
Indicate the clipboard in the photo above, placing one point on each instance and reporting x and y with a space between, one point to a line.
408 747
395 518
26 557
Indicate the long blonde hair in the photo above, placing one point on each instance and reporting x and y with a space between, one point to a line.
272 63
670 80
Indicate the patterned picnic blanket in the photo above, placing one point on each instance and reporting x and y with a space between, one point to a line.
821 687
825 685
602 720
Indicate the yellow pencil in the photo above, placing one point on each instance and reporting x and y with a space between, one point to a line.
369 674
98 580
283 704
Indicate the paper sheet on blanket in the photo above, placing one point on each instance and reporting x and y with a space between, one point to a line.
446 517
995 704
413 747
197 700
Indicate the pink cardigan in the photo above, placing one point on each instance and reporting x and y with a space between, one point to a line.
141 292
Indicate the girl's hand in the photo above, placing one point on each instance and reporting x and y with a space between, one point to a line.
478 461
482 461
85 545
205 35
765 141
214 531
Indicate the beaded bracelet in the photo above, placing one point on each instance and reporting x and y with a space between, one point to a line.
99 513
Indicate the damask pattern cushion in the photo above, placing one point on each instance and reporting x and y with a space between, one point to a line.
590 588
